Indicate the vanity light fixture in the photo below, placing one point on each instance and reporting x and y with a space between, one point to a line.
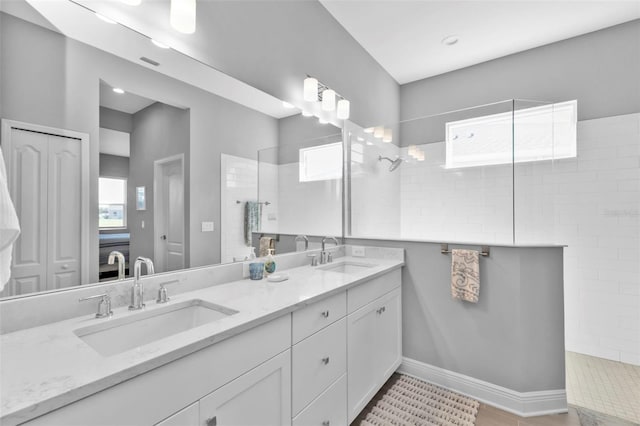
182 16
160 44
105 19
378 132
118 90
314 91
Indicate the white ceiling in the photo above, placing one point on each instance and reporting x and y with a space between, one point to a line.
405 36
125 102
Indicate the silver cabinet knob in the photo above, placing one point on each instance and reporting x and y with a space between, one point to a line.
325 361
211 421
325 314
326 423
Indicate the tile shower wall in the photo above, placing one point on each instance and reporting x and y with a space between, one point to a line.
590 203
239 182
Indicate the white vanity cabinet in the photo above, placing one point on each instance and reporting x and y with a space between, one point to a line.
374 338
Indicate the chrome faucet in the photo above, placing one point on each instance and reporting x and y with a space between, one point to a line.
324 255
112 258
302 238
137 290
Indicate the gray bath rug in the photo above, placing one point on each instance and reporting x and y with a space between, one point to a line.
593 418
406 401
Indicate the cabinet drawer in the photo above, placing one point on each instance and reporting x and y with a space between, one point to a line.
318 315
317 362
359 296
329 409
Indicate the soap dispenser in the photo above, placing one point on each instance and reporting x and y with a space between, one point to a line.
269 263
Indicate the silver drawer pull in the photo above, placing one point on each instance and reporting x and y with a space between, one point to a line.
326 423
381 310
212 421
325 361
325 314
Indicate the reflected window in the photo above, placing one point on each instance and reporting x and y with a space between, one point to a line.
112 196
322 162
533 134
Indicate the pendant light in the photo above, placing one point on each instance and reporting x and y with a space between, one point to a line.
183 16
343 109
310 89
329 100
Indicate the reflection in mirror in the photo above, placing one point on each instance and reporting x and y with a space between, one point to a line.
192 130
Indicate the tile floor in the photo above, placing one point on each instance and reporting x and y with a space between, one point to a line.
604 386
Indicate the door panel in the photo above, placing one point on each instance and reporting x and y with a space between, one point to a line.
361 358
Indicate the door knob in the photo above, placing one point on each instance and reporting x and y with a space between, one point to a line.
65 266
163 237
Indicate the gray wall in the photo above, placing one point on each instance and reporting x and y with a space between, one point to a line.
282 41
599 69
513 337
159 131
116 120
114 166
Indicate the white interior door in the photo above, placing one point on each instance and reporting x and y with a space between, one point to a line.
169 214
46 183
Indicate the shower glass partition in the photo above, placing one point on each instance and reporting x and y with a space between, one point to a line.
465 176
303 183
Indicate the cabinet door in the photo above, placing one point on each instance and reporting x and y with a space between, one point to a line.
260 397
374 348
186 417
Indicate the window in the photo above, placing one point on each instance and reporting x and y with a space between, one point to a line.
322 162
542 133
112 196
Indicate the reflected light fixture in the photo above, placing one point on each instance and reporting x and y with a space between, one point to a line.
105 19
378 132
343 109
328 100
160 44
182 16
118 90
369 130
310 89
387 135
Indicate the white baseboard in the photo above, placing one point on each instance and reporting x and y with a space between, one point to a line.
524 404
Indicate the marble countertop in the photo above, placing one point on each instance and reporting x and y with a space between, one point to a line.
47 367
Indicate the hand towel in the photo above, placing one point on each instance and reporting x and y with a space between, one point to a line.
266 243
9 226
465 275
252 213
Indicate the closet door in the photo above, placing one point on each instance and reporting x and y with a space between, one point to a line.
64 212
28 188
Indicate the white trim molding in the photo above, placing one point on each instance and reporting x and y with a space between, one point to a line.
523 404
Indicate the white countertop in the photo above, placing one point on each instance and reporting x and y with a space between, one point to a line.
44 368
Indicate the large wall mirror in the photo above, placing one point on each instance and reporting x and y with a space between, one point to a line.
163 169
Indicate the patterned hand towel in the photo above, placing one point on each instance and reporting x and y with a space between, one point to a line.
465 275
252 212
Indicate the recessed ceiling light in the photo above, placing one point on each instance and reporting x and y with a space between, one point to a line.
118 90
450 40
160 44
105 19
287 105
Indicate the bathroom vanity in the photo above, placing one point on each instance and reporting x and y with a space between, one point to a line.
310 350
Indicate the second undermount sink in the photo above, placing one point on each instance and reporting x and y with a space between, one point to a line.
121 334
347 267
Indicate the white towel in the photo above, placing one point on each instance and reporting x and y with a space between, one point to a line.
465 275
9 227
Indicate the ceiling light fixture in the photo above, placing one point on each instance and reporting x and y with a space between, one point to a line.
105 19
160 44
182 16
314 91
450 40
118 90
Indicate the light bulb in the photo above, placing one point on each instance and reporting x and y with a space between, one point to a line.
183 16
310 89
387 135
328 100
343 109
378 132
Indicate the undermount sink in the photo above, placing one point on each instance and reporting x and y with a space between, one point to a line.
121 334
346 267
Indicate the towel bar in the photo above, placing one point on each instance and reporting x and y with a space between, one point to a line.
484 251
266 203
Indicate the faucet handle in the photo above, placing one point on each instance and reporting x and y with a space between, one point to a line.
104 306
163 296
329 257
314 259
